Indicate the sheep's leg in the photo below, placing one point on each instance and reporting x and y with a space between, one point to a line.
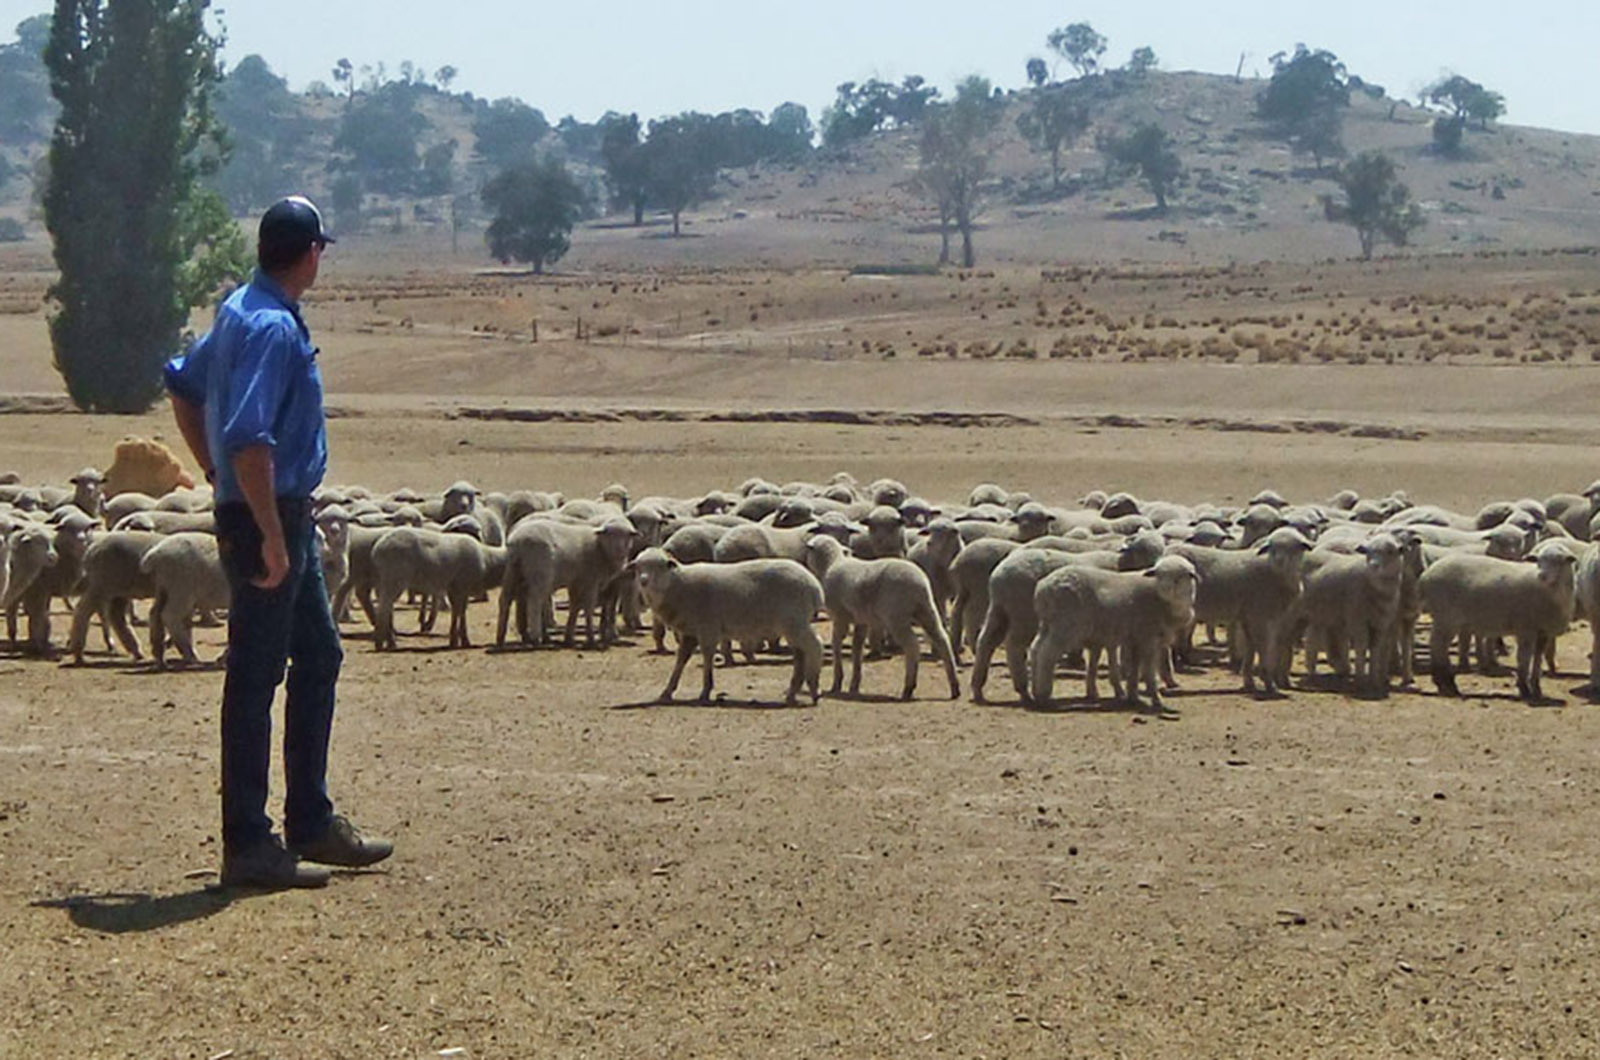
458 619
182 633
159 616
1530 657
708 658
958 608
686 647
942 650
995 627
839 627
1444 678
1043 654
1594 658
81 616
858 637
1169 676
1116 663
503 620
905 637
1091 674
383 638
807 665
1549 644
117 613
658 634
1248 650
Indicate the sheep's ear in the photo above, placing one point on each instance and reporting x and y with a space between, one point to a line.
1263 548
1148 572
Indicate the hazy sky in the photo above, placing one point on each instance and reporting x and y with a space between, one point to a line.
672 55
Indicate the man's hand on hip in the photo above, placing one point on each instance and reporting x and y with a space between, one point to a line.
275 563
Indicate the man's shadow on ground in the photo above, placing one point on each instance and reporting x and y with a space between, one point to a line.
115 913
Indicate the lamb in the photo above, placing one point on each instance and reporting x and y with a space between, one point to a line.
456 566
333 536
29 551
142 465
693 542
88 492
889 595
1587 607
1135 615
164 522
754 541
884 536
935 551
543 555
112 577
1575 511
70 540
185 571
185 500
118 508
707 604
1350 604
1533 601
1010 613
359 576
1251 592
970 572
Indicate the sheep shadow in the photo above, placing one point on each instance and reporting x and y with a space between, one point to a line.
719 701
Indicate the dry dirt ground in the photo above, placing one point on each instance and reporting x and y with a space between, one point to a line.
582 873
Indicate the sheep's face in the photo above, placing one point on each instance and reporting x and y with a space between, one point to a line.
944 541
616 538
652 566
1141 551
1557 567
1176 582
1385 557
821 552
796 511
1285 548
460 499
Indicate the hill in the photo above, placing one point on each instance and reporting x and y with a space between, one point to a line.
1244 196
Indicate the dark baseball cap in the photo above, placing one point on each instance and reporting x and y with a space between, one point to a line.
290 226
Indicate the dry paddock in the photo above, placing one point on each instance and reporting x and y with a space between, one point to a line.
580 873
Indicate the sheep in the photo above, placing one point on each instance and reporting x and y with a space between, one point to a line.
456 566
885 594
112 577
970 572
543 555
935 551
166 522
29 551
1350 604
88 492
143 465
359 575
884 535
707 604
185 571
1532 600
333 537
1575 511
115 509
754 541
1135 615
522 503
1250 592
185 500
70 540
693 542
1010 613
1587 607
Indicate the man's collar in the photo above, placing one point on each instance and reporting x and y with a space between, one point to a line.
272 287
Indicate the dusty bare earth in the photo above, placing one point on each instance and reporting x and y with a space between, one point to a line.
581 873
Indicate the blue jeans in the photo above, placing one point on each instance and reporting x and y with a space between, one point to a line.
268 630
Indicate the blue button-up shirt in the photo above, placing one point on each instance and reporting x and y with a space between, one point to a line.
255 373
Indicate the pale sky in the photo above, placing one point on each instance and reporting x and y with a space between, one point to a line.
673 55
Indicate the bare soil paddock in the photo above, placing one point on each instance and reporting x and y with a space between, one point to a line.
581 873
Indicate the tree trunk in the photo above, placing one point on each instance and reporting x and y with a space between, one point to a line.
1368 237
968 257
675 229
638 210
1161 200
1055 167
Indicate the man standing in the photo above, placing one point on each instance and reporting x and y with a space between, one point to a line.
248 400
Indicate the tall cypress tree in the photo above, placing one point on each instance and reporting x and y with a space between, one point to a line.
133 78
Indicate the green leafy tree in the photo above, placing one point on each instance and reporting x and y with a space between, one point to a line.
25 103
1375 203
859 110
680 171
220 254
1447 134
134 136
380 133
1054 117
346 196
1079 45
627 168
534 207
1141 62
438 169
954 161
1038 72
344 73
1305 101
446 76
788 133
265 128
1467 100
508 132
1147 150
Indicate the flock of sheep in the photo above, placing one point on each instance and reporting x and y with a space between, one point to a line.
750 569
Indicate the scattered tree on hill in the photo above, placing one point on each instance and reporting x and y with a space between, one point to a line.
1305 100
1467 100
1448 131
379 131
123 202
1375 203
446 76
680 171
265 127
346 197
1038 72
1079 45
1141 62
508 132
534 206
344 73
1148 151
622 152
438 169
1053 118
25 102
860 110
788 133
954 161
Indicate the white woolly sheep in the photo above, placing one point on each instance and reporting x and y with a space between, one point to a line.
706 604
543 555
886 595
112 579
455 566
185 572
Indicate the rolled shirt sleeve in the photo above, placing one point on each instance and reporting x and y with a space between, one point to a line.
185 375
257 385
